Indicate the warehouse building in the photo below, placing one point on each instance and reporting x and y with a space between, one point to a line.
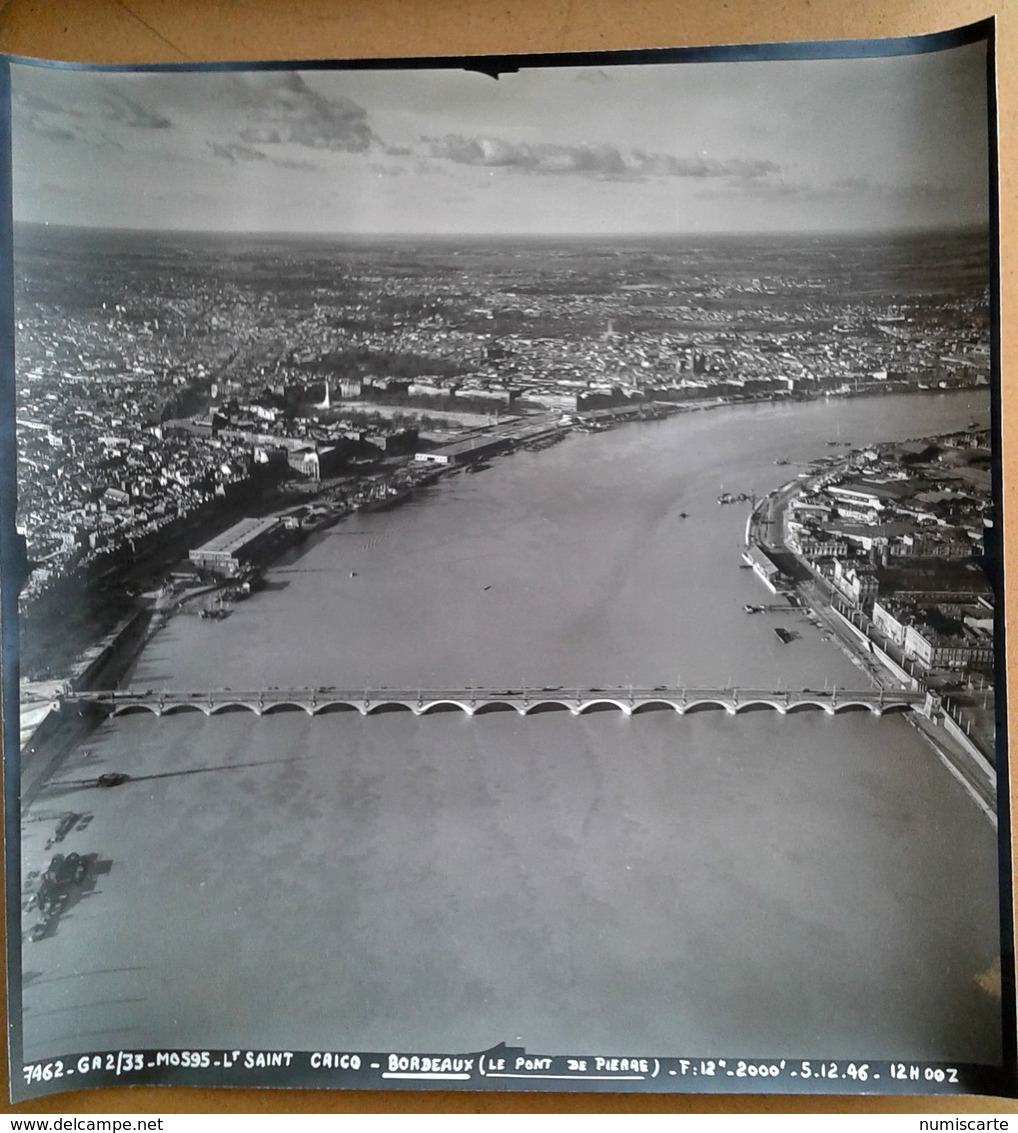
247 543
465 452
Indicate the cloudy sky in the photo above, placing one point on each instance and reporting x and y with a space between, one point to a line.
695 147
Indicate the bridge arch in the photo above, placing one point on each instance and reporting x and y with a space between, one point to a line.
179 707
603 704
385 706
233 706
433 707
277 707
708 705
335 706
495 706
655 706
546 706
757 706
808 706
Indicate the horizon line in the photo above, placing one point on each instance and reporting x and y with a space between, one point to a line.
307 234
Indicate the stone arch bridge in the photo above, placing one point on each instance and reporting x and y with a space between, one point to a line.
324 700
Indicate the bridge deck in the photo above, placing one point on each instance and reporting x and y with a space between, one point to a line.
577 701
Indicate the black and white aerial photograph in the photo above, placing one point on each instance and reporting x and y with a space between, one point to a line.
508 592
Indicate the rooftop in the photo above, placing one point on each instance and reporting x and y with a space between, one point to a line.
241 533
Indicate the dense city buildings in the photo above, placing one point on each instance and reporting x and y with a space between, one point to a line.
900 533
893 544
202 378
167 403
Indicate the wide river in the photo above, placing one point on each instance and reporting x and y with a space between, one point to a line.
755 885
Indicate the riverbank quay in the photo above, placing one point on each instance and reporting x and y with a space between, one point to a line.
971 763
755 839
325 503
44 740
83 605
47 735
99 665
319 505
86 605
